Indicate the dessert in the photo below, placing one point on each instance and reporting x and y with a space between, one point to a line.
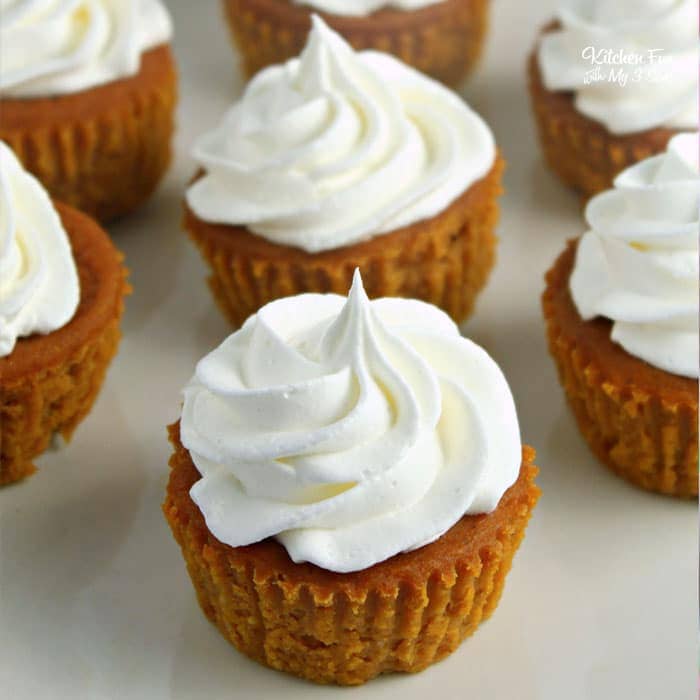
442 38
62 285
348 485
621 307
338 160
611 83
87 95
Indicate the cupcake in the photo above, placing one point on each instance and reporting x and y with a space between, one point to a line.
621 307
348 486
62 285
87 95
442 38
611 83
338 160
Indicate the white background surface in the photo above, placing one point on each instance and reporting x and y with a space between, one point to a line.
95 602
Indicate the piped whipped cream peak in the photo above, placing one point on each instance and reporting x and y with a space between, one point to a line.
335 147
348 429
54 47
360 8
39 287
632 64
638 265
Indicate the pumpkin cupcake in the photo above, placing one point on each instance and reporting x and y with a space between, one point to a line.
611 83
441 38
62 285
87 95
338 160
348 486
621 307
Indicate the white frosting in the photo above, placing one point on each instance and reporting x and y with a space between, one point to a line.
54 47
638 266
349 430
357 8
654 94
39 288
336 147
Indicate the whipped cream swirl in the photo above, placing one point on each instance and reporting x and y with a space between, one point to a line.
654 43
349 430
358 8
638 266
336 147
39 287
54 47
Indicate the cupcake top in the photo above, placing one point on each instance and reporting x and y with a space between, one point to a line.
632 64
335 147
39 287
638 265
56 47
357 8
349 430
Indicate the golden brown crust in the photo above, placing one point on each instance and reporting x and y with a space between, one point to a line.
101 150
49 382
442 40
580 150
402 614
445 260
640 421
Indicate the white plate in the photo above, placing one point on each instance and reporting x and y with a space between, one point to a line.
95 603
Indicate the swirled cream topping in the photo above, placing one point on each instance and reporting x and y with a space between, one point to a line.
358 8
632 64
39 288
349 430
638 265
336 147
54 47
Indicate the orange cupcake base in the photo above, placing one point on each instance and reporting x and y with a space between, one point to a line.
445 260
402 614
102 150
640 421
443 40
48 383
580 150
